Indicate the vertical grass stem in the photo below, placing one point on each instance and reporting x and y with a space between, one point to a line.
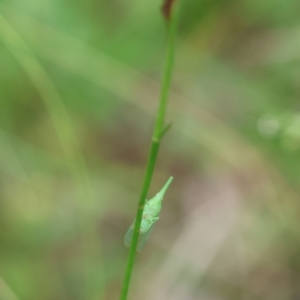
156 138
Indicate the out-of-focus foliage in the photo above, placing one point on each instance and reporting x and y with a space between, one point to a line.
79 86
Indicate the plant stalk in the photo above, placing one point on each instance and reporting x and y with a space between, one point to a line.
158 133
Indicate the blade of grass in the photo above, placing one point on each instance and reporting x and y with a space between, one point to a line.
156 138
67 137
120 80
6 293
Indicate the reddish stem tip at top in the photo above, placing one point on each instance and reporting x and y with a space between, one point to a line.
167 8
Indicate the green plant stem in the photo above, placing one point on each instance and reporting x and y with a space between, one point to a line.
156 138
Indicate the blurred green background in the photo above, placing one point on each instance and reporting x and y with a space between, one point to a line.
79 86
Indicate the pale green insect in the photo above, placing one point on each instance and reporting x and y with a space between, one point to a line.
150 216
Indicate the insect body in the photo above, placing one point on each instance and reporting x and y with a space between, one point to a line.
150 216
